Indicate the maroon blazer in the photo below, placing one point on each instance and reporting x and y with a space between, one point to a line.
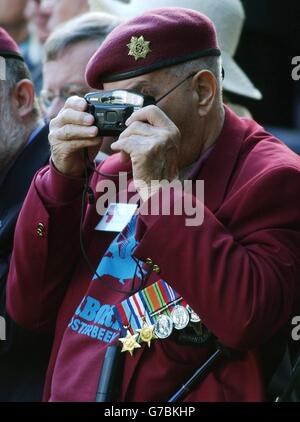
239 271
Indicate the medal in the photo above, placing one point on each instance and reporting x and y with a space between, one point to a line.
146 333
180 317
139 48
153 313
163 326
129 343
193 316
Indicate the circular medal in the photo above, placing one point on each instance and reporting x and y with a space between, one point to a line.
193 316
180 317
163 327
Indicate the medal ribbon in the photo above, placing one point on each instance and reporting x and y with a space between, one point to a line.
147 305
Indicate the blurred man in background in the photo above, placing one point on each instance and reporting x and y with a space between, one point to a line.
14 19
64 74
38 13
64 10
46 15
23 151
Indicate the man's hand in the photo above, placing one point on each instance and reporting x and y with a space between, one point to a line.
152 142
70 132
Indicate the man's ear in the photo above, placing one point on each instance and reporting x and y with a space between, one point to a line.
23 96
205 88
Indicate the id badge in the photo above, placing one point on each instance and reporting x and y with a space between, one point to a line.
116 217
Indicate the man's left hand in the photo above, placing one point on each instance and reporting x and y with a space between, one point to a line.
151 141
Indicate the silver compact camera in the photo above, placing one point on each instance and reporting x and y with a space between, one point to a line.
111 109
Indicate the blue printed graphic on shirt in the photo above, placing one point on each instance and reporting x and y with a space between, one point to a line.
94 318
117 261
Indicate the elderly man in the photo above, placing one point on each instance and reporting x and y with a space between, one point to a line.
165 290
24 149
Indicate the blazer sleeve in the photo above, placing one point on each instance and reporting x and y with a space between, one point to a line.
46 248
240 269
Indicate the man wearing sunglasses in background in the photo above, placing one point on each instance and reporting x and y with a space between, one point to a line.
234 276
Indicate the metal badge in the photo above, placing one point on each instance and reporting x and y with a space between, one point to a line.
163 327
138 47
180 317
129 343
146 333
193 316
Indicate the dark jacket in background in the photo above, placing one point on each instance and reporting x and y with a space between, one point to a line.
24 355
269 41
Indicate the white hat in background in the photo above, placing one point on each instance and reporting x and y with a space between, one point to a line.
228 17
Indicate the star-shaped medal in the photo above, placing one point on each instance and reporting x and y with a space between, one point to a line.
129 343
139 47
146 333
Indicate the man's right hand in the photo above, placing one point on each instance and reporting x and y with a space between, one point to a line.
70 132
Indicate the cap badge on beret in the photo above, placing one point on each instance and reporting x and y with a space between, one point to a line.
139 48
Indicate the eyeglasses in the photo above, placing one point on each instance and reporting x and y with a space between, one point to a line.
47 97
175 87
191 75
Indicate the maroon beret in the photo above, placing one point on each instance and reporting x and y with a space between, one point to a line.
8 47
156 39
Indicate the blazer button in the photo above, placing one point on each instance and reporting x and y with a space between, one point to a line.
149 262
156 269
40 230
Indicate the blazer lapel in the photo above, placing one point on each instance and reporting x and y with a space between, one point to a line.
219 168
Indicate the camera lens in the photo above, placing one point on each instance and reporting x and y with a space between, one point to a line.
111 117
